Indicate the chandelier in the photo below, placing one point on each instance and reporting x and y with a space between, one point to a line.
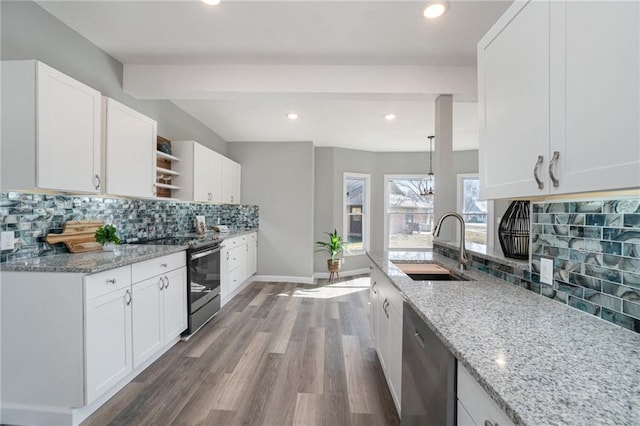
427 184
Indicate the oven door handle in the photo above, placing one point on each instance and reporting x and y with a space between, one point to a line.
203 254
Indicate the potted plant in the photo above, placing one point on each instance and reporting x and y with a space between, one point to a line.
106 235
333 247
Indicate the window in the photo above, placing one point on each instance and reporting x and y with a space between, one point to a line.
356 213
474 211
408 215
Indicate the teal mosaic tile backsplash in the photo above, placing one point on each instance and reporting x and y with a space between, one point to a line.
595 247
32 216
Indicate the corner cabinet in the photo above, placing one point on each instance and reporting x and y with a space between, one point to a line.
130 151
98 332
231 179
557 99
50 130
386 329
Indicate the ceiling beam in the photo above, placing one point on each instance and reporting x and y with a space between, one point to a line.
229 81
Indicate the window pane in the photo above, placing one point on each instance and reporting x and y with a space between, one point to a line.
474 212
410 215
354 237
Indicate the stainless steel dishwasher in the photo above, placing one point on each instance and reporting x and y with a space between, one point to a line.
428 375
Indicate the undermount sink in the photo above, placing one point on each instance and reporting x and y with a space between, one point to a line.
429 272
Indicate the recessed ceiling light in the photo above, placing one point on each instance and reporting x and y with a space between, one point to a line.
390 117
292 116
435 9
211 2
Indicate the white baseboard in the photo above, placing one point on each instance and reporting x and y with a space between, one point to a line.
284 279
325 275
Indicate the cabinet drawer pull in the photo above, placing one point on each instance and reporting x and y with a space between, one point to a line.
552 165
164 265
535 172
111 281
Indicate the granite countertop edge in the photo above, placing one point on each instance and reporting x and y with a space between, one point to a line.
507 386
98 261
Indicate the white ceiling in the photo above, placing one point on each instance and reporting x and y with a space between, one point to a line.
413 60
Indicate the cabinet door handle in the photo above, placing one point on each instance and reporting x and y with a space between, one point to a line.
419 338
552 166
489 423
373 287
161 283
535 172
128 297
227 255
97 181
166 286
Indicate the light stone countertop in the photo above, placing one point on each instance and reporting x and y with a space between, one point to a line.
543 362
97 261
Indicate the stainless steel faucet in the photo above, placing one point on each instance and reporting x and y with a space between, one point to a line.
463 252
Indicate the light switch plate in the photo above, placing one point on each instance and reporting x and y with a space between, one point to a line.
7 240
546 271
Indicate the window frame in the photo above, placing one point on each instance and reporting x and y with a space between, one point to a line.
387 178
366 212
460 206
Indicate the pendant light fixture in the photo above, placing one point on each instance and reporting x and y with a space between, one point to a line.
427 184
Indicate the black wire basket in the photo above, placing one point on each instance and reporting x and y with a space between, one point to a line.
514 230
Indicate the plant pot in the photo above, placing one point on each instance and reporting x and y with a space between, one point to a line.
334 265
109 247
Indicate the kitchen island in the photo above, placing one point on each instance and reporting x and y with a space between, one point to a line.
542 362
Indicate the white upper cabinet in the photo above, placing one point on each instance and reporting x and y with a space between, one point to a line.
50 130
205 175
558 86
231 177
595 89
130 140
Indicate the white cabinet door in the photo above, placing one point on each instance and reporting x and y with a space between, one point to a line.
50 130
374 302
147 319
252 257
108 341
394 362
464 419
207 169
238 264
174 297
595 82
130 141
231 175
513 102
478 404
225 289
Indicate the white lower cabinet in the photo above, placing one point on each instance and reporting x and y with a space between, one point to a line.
85 336
238 263
386 321
475 406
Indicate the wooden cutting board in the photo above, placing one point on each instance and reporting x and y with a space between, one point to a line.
78 235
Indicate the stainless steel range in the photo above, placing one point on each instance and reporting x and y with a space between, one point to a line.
203 277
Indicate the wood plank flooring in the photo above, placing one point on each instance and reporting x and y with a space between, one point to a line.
277 354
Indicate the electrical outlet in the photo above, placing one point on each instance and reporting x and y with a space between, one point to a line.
7 240
546 271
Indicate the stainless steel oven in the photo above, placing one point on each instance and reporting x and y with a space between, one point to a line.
203 285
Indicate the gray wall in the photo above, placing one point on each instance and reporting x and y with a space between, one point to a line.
279 178
30 32
332 163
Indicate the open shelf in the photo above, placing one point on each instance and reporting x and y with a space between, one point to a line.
161 154
162 170
166 186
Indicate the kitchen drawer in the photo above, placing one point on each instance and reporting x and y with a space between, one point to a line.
235 279
105 282
477 402
149 268
234 242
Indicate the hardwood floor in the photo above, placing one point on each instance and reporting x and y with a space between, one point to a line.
277 354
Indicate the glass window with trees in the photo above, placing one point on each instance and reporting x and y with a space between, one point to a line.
473 210
356 213
408 215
